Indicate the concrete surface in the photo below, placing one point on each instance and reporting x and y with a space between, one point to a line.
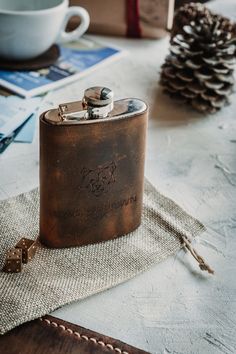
174 307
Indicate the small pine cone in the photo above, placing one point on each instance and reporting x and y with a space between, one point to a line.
199 69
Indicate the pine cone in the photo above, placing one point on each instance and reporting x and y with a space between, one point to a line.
199 68
186 14
195 12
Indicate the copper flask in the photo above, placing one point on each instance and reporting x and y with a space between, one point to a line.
92 156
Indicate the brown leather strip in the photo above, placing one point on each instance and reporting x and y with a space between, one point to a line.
54 336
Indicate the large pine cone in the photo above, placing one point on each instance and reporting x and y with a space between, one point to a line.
199 68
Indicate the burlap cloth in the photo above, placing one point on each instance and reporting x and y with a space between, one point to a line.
56 277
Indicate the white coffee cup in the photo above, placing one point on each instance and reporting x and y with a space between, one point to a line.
29 27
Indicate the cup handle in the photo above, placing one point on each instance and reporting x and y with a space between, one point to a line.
80 30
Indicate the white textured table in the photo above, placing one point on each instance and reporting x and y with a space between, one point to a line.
174 307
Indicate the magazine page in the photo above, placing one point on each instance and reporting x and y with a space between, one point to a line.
76 59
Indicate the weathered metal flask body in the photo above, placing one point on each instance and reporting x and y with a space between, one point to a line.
91 172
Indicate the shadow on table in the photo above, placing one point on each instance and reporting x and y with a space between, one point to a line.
192 268
170 112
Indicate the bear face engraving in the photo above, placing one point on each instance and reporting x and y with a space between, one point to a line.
98 180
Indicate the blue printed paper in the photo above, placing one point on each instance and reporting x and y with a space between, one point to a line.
26 133
14 112
76 59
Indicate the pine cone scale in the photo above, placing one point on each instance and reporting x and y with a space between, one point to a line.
200 66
